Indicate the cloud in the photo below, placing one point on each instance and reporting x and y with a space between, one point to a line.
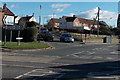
71 14
58 10
104 14
60 5
12 6
51 16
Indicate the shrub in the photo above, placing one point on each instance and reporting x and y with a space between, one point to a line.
29 34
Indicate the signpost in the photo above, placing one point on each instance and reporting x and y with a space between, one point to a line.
8 20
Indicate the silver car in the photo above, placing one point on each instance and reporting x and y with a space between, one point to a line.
66 37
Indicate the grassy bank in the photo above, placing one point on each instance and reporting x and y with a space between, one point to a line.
94 38
26 45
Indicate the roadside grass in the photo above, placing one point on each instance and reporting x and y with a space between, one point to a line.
25 45
94 38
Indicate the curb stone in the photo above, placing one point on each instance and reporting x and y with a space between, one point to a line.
9 50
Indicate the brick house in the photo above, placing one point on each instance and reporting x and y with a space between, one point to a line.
79 23
69 22
1 16
53 23
5 11
24 20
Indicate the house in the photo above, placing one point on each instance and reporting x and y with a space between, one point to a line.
87 24
7 11
8 14
1 16
53 23
69 22
75 23
24 20
79 23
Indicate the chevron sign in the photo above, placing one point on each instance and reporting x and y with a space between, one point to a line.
8 20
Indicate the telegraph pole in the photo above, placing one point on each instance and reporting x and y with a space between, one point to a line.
40 16
98 14
53 15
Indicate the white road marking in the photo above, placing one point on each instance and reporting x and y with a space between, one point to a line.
97 57
109 58
90 52
115 52
26 74
75 55
103 75
60 76
106 77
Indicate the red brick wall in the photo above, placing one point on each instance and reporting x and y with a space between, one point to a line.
1 17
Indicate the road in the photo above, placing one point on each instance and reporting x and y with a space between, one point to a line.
66 61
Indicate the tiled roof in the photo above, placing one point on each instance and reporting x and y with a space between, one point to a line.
82 20
7 11
65 16
27 18
55 20
70 19
103 23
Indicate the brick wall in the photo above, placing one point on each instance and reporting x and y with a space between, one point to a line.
1 17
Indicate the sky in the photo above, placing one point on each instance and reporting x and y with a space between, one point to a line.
88 10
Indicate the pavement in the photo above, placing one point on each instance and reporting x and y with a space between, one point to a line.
71 61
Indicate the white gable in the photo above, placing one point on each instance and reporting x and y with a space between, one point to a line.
33 19
17 19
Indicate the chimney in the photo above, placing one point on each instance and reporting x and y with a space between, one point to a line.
74 16
33 14
4 7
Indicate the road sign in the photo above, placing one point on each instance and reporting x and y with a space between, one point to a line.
15 27
8 20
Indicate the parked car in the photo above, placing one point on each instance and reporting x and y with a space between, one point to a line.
43 29
47 36
66 37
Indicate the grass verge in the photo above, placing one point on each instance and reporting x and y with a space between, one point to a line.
26 45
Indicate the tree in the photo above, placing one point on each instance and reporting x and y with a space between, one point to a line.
31 24
116 31
105 30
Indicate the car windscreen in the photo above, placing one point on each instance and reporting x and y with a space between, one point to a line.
67 35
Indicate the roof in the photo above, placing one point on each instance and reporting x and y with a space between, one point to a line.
103 23
70 19
82 20
27 18
16 16
7 11
55 20
64 16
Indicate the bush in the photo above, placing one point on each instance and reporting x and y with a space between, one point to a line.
105 30
29 34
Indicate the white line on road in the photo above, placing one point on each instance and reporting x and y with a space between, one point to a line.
26 74
60 76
